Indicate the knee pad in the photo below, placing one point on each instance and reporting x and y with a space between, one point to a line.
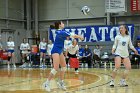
115 70
28 58
40 59
53 71
63 69
126 71
9 58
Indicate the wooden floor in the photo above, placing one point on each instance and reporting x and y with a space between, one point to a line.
93 80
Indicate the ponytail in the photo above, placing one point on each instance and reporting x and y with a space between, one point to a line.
56 25
52 26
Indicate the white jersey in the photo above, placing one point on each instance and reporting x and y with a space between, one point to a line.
24 47
49 48
1 45
97 52
42 45
67 43
10 45
121 44
72 50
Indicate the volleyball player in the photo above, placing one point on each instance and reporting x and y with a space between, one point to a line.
67 42
120 50
73 52
24 47
57 55
43 50
11 56
49 49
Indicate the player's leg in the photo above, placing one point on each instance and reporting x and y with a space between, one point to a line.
9 59
23 58
41 58
13 59
44 58
61 83
117 66
56 61
127 64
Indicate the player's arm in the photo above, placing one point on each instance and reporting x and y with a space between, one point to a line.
66 53
13 45
39 45
89 54
72 35
21 48
77 36
132 47
114 45
29 47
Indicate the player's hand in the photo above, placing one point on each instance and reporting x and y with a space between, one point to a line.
113 52
136 52
81 38
77 57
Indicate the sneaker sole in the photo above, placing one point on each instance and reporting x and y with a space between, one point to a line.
123 85
44 87
60 87
111 85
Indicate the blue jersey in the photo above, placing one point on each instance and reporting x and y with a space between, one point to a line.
87 52
138 49
81 50
59 41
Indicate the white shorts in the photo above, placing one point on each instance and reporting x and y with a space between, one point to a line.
25 52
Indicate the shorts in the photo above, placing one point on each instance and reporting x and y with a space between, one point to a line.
74 63
49 53
25 52
11 51
58 50
72 55
43 50
96 57
120 56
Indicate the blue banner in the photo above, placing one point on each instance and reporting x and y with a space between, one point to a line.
94 33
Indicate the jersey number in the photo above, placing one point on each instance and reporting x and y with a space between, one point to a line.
123 43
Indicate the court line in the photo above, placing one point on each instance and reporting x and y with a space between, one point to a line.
94 86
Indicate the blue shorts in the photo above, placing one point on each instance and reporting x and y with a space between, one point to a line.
11 51
58 50
43 50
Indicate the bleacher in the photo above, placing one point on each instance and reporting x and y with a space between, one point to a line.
107 46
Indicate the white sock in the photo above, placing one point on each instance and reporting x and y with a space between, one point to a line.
40 60
62 80
47 81
123 79
112 79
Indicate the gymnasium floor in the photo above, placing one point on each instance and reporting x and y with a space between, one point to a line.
93 80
